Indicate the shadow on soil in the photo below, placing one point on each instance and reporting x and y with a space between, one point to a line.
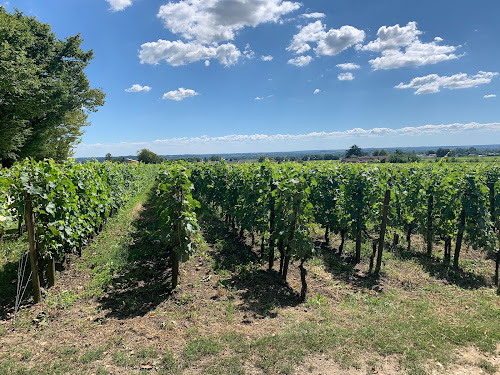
262 291
146 282
344 269
436 268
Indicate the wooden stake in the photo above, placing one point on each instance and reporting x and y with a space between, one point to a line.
383 227
30 226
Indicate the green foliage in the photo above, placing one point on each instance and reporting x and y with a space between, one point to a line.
71 201
176 209
44 92
148 157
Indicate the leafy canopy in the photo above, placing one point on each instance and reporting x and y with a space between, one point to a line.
45 96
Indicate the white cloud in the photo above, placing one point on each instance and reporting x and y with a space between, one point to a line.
248 53
416 54
348 66
267 58
259 98
317 91
312 32
393 37
207 62
289 142
138 88
300 61
214 21
489 96
313 15
432 83
117 5
345 77
392 40
336 41
329 43
179 94
179 53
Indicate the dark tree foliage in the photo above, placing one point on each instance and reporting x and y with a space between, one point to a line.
354 151
148 157
45 96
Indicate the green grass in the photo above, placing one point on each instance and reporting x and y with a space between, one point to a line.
108 254
199 347
488 367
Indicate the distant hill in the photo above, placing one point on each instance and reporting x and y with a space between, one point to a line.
339 152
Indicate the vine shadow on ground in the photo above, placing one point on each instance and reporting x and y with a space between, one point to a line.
344 268
436 268
146 282
261 291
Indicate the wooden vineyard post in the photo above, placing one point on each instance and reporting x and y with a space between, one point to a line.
30 226
383 227
51 272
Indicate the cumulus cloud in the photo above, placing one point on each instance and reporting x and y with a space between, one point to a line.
313 15
400 47
317 91
117 5
138 88
267 58
489 96
348 66
179 94
179 53
393 37
329 43
214 21
267 142
345 77
300 61
432 83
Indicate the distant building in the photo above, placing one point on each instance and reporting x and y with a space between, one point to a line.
131 160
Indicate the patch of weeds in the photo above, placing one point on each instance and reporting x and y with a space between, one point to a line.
26 355
148 352
200 347
23 320
488 367
236 341
11 367
226 366
230 309
69 350
246 271
92 355
3 331
114 342
102 371
123 359
62 301
316 301
185 299
169 364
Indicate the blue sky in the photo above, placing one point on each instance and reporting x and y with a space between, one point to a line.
216 76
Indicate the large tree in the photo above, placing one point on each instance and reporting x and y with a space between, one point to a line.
354 150
45 96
